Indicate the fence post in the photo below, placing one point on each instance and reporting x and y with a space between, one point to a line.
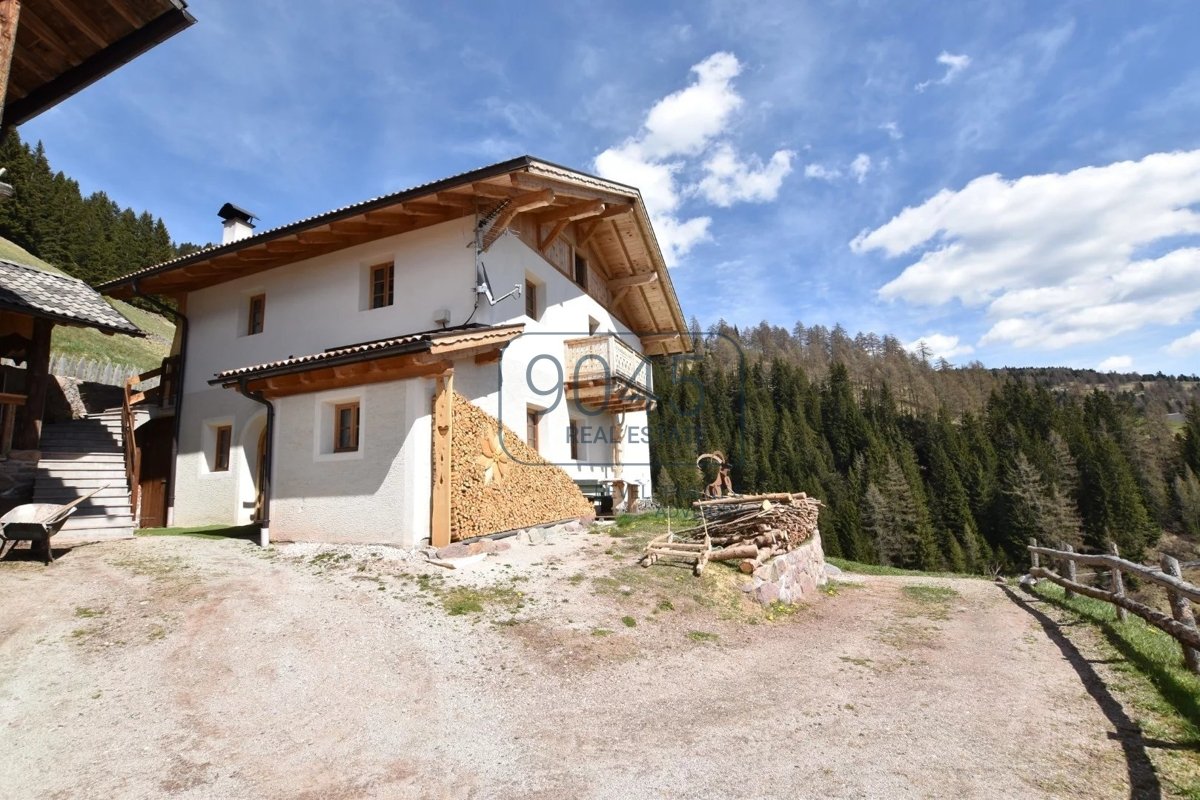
1070 570
1118 584
1181 609
1033 557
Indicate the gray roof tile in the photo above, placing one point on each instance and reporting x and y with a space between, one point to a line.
61 298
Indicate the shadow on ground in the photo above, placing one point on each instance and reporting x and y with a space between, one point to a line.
1143 778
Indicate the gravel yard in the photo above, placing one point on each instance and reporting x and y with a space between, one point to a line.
209 668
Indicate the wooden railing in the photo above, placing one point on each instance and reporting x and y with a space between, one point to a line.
1180 623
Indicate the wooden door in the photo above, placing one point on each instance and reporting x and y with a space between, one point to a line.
154 441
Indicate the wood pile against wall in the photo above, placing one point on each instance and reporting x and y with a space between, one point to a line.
497 488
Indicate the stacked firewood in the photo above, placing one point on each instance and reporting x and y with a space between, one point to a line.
500 484
752 529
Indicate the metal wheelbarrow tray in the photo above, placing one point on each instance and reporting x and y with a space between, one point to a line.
37 522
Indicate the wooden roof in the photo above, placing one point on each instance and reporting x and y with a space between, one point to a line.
609 216
63 46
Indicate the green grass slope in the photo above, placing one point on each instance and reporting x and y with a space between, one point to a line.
141 353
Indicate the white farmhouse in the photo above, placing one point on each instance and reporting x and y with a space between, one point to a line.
317 365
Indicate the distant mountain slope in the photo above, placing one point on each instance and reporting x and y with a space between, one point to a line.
142 354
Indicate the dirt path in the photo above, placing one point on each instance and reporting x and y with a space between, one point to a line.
212 669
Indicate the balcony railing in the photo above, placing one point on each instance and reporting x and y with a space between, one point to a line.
604 372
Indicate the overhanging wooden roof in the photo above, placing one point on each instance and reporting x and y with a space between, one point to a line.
414 355
63 46
611 216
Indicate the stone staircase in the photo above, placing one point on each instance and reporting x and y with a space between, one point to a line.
78 457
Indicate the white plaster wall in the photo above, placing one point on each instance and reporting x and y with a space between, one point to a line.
380 493
204 497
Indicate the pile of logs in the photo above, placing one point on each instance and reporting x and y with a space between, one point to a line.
753 529
503 485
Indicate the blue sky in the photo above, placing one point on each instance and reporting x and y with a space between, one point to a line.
1014 182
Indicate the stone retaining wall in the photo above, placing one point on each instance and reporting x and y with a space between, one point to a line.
791 577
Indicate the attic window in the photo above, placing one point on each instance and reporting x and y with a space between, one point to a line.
581 270
257 314
383 284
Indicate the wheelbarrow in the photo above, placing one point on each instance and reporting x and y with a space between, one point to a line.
37 522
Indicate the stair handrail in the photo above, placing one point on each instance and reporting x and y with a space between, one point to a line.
133 466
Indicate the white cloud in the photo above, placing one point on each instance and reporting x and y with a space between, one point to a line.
1057 259
822 173
729 179
860 166
1116 364
1185 344
684 138
893 131
954 64
940 345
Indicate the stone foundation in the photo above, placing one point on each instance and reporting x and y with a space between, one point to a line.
791 577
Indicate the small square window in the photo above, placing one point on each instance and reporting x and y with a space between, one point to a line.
257 314
345 427
533 298
581 270
223 439
383 285
532 418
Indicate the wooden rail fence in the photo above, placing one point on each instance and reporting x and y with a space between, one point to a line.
1180 623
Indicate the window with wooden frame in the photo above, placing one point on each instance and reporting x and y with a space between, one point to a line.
581 270
533 298
345 427
256 315
383 278
222 441
532 417
573 436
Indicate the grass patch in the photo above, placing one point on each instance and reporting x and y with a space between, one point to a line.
932 602
88 613
601 632
702 636
860 568
152 566
629 622
1152 681
206 532
471 600
856 661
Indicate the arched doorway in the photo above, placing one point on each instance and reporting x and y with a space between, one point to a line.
250 471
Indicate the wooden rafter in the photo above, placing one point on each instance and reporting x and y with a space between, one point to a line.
355 227
552 235
388 216
84 26
321 237
428 209
644 279
517 205
10 12
571 213
485 189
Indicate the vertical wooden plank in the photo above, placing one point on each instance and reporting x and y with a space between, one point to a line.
1070 569
443 431
1118 584
37 370
1033 557
10 11
1181 609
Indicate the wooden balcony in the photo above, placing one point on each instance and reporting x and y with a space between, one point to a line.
602 372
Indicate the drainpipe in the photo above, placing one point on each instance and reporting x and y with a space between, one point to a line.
264 531
181 322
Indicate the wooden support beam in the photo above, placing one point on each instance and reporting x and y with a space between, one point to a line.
286 246
37 26
489 356
388 217
321 237
571 213
491 190
10 11
553 235
586 232
37 379
318 380
464 201
424 208
443 434
256 255
518 205
644 279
